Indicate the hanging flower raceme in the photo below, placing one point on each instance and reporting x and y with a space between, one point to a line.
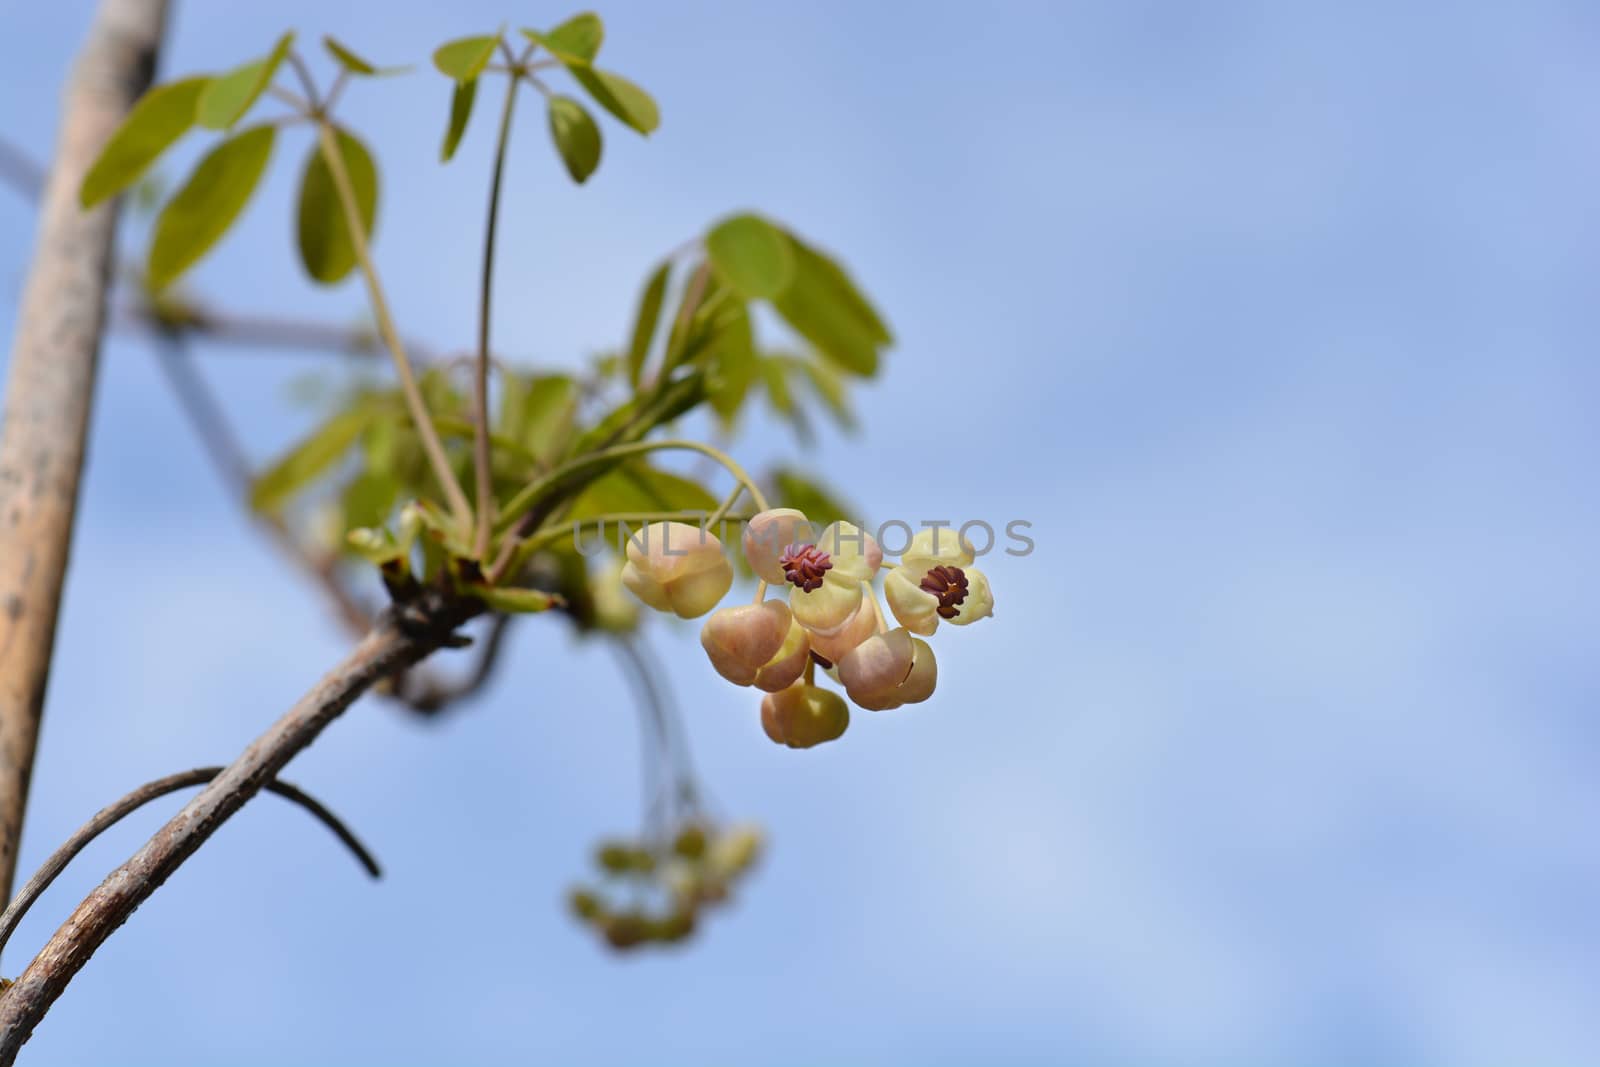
936 580
831 619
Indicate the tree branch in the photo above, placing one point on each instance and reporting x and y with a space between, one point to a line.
426 693
51 387
109 816
402 637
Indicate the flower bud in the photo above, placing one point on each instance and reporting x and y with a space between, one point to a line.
673 927
788 663
675 567
888 670
690 842
585 904
741 640
767 534
626 930
803 716
733 852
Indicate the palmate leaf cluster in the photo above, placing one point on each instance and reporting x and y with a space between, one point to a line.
750 312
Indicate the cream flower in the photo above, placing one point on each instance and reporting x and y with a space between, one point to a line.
826 570
936 580
802 716
888 670
675 567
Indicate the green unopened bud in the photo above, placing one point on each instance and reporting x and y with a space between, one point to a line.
690 843
614 857
675 927
803 716
585 905
626 930
736 850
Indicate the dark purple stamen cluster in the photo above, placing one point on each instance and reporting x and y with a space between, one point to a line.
804 565
949 584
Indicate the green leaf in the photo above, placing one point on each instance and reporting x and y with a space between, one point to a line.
161 116
625 100
466 58
777 383
732 363
825 307
634 418
645 322
319 451
460 112
200 213
688 333
368 499
754 257
636 486
514 601
577 137
794 490
326 248
354 63
825 382
229 96
346 58
550 414
576 40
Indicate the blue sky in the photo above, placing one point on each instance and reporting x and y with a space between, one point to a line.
1276 320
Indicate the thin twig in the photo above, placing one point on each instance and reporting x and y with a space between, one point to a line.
109 816
426 432
396 643
261 331
428 694
480 437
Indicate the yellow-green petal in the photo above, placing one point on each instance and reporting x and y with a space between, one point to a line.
826 608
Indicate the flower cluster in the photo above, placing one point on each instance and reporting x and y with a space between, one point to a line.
666 887
830 619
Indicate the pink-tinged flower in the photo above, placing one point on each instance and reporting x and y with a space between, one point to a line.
740 640
936 580
788 663
757 644
888 670
857 628
824 571
675 567
803 716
